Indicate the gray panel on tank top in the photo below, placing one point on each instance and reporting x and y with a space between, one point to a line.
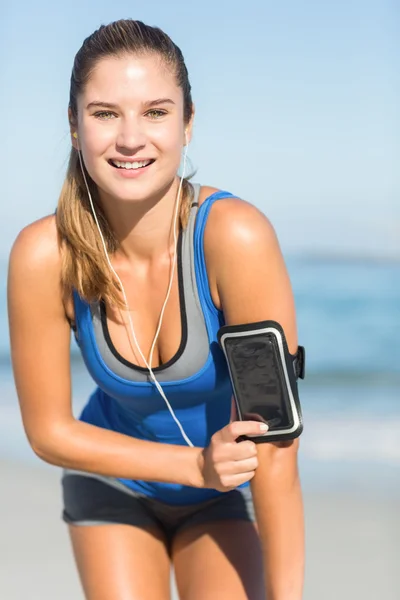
196 350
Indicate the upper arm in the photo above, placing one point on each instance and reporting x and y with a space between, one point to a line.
247 267
251 283
39 332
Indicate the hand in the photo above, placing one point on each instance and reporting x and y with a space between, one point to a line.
226 464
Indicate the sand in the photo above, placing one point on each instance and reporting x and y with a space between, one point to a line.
353 540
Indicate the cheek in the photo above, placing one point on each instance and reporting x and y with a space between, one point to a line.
97 141
167 138
168 144
97 144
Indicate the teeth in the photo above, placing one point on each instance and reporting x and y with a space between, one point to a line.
131 165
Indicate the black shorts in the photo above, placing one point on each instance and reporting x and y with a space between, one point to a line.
96 500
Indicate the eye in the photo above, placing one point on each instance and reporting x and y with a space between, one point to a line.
99 115
156 114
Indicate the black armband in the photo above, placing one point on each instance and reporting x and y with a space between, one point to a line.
264 377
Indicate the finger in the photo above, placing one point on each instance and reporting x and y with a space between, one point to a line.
240 467
230 482
245 449
234 430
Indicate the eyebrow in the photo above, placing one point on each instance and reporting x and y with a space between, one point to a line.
147 104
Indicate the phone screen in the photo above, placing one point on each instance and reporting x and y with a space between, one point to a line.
257 374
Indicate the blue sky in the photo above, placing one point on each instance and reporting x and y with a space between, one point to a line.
297 110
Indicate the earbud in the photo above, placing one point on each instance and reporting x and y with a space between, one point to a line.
186 139
75 136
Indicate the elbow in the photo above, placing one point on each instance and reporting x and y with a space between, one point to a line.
50 446
45 453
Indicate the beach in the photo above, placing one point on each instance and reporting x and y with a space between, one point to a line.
349 455
352 539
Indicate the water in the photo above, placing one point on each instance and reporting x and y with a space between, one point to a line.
348 316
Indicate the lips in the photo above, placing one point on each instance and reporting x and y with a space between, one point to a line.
131 165
131 172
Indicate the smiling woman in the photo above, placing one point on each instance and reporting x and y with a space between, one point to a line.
146 267
139 115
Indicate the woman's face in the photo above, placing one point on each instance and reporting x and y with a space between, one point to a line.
131 111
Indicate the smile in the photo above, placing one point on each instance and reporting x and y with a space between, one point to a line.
131 165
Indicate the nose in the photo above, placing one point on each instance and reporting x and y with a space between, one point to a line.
131 134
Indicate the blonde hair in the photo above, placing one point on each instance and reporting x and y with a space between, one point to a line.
84 266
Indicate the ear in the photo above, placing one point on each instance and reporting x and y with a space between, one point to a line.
73 130
189 127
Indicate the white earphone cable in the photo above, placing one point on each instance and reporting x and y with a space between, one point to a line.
148 364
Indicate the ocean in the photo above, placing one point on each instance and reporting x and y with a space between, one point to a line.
348 317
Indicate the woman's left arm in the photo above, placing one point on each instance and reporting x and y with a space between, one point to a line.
249 282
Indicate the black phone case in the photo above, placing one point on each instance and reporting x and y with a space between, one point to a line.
290 361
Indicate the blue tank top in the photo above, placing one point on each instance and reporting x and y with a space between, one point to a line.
195 381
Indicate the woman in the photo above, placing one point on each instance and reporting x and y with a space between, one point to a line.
146 267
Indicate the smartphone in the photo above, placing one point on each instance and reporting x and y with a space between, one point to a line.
263 377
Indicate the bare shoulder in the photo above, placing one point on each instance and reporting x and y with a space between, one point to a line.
35 267
36 246
243 257
247 274
235 225
231 217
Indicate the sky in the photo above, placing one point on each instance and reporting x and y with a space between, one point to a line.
296 110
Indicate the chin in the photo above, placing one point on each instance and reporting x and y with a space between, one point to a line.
134 191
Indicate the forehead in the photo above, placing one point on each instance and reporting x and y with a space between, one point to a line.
115 79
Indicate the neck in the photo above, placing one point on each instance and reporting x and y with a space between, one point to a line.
144 229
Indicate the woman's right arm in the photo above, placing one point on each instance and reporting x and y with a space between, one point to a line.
40 352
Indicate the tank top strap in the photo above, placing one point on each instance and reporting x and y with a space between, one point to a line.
201 269
196 188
